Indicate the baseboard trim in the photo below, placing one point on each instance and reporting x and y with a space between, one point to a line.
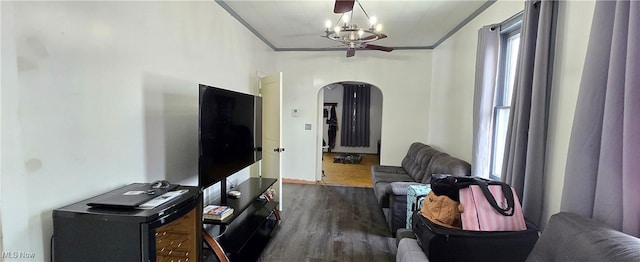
322 183
299 181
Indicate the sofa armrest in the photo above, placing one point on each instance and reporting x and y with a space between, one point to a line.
400 188
569 237
404 233
410 251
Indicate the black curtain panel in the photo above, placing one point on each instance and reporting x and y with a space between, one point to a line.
355 116
333 128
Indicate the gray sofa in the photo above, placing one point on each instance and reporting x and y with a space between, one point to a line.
390 183
567 237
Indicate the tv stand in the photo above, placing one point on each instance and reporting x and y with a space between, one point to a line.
244 234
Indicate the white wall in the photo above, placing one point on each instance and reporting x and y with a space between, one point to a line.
402 76
96 95
450 126
451 106
375 124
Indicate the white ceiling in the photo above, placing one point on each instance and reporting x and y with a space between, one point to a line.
298 25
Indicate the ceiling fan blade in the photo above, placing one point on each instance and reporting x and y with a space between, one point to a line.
351 52
341 47
378 47
370 37
343 6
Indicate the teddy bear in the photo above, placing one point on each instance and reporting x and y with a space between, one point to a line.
442 210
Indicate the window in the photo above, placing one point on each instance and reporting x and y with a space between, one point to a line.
509 45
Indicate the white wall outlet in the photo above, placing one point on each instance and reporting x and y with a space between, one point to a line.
307 126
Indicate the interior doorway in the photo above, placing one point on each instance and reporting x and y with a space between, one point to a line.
342 163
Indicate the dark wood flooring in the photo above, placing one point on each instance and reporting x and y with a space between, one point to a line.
330 223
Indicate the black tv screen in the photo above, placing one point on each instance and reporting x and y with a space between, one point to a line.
229 133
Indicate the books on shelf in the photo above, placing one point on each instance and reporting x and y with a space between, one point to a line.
216 212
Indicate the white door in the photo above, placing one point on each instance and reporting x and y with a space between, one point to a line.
271 91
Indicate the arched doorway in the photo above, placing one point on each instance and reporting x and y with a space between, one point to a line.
341 162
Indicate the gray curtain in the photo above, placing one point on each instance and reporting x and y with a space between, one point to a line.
485 85
525 147
602 177
355 130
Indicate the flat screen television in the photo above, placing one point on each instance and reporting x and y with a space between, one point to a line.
229 135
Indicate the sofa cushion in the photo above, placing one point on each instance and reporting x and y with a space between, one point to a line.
416 162
409 158
445 164
401 188
569 237
378 177
387 169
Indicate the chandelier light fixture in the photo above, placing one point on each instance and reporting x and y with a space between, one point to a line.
349 34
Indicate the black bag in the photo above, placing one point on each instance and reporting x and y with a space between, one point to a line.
446 244
448 185
445 184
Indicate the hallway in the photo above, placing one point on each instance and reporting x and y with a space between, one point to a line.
357 175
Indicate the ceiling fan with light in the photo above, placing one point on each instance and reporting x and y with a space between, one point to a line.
349 34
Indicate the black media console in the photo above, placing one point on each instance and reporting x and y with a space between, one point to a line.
167 232
243 235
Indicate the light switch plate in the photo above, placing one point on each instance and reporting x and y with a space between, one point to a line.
295 112
307 126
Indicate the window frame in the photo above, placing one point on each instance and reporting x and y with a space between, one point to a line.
508 30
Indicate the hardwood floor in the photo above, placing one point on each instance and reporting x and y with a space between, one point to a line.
330 223
357 175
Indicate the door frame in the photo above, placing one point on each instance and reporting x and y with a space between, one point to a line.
320 124
267 150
